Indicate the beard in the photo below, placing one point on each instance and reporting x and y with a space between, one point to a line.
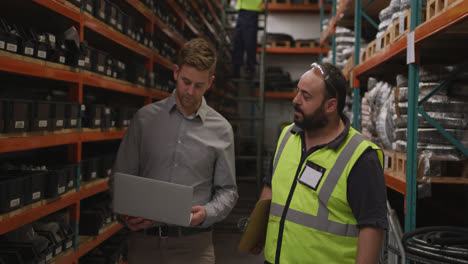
314 121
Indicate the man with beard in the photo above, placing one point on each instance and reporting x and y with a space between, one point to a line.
182 140
326 184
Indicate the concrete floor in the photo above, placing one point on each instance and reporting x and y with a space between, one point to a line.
225 244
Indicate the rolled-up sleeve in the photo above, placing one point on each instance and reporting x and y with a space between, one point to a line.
224 183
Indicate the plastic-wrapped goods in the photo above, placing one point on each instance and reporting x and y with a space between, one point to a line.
435 73
401 80
405 5
385 14
438 106
441 96
433 136
446 120
384 124
449 152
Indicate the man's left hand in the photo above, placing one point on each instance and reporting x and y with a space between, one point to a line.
199 215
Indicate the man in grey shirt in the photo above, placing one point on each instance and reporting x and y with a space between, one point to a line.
182 140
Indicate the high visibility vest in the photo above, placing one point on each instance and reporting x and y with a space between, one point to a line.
308 225
252 5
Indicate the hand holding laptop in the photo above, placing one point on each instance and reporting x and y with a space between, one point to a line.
135 223
198 215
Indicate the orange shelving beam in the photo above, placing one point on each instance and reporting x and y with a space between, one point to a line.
33 142
213 12
156 94
395 183
434 26
163 61
113 85
181 14
294 50
101 136
333 22
296 8
86 247
123 40
61 9
37 213
203 18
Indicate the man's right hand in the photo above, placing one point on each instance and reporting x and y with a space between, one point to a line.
257 249
135 223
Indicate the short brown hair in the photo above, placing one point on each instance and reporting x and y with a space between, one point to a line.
198 53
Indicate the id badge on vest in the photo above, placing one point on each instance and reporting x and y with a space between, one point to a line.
312 175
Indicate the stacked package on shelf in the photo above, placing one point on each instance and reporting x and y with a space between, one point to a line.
377 108
448 107
344 47
390 14
348 109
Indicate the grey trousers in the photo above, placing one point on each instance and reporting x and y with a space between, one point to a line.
197 248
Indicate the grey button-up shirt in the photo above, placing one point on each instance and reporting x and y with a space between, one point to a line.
195 151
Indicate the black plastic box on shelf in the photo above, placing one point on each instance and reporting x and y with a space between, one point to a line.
121 116
93 116
129 26
111 14
2 117
88 58
106 120
57 115
99 59
137 74
55 243
72 175
72 115
60 54
107 162
90 169
91 222
13 40
17 114
120 20
100 9
109 66
75 2
56 182
11 192
34 185
40 115
26 250
88 6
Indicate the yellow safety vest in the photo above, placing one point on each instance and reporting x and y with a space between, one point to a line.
252 5
308 225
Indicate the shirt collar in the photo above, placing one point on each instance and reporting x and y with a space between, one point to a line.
202 111
335 143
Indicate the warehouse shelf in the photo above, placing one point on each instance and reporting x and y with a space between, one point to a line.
278 95
61 8
49 206
433 38
312 8
332 24
203 18
182 15
101 136
213 12
156 94
65 257
138 5
163 61
13 63
32 142
112 34
87 243
115 85
395 183
294 50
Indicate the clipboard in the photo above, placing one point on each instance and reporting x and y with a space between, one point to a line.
256 227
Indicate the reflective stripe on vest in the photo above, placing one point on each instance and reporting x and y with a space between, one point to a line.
320 221
281 148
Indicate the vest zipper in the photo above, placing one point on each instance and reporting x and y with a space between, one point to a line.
285 211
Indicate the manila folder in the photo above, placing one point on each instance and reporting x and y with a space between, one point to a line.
256 228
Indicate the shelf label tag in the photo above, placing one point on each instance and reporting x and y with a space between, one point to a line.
42 54
28 51
97 122
69 244
19 124
62 59
379 43
12 47
61 189
401 26
89 8
410 57
70 184
58 250
36 195
59 123
81 63
73 122
42 123
93 175
2 44
15 202
386 160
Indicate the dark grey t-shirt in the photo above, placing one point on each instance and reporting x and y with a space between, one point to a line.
366 190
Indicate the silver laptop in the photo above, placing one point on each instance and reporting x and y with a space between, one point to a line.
159 201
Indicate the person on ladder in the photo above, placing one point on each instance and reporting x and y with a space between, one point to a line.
245 37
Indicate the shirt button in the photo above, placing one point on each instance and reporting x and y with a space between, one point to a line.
178 141
175 165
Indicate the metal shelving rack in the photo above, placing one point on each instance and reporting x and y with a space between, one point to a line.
77 78
429 39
